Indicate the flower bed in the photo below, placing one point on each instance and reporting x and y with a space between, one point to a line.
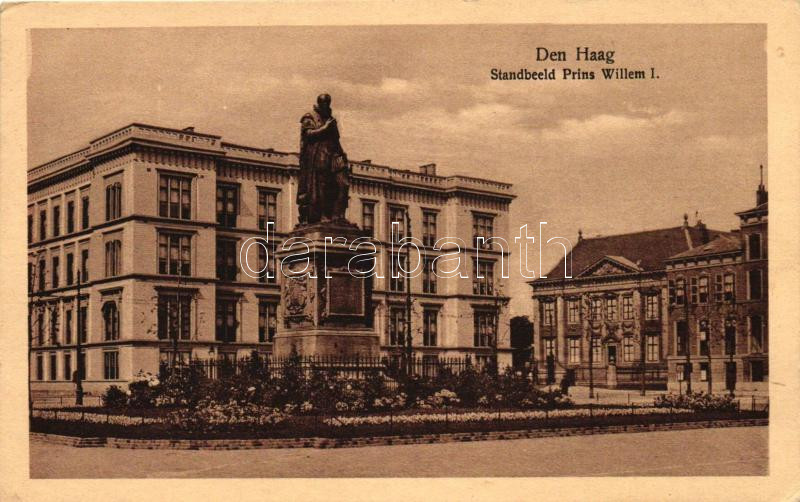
487 416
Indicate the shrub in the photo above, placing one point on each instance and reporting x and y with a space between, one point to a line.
696 401
143 390
213 416
114 397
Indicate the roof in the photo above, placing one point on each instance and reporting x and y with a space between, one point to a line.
722 244
758 208
640 251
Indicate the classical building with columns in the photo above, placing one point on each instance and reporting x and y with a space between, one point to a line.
154 223
605 316
718 308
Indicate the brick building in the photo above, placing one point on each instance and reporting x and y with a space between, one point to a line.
719 307
154 220
604 308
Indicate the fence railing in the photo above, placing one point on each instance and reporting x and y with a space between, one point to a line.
351 368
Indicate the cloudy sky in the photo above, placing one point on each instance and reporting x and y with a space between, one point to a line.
603 156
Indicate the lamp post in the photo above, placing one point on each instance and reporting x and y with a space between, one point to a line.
79 346
408 340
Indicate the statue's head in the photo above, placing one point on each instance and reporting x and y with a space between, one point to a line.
324 102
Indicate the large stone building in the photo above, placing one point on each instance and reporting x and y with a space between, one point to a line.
719 307
154 221
602 313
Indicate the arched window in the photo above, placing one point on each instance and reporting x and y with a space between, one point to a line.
111 321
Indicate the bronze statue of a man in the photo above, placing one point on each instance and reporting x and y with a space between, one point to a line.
324 181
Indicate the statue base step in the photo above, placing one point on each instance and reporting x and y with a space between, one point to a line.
327 342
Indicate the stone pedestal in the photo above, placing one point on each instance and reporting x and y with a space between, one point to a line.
327 307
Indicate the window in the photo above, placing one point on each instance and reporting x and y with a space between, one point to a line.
729 293
397 215
111 365
757 373
56 221
110 321
267 321
397 326
174 254
70 268
682 337
175 197
227 205
718 288
549 347
31 277
84 212
428 228
694 291
703 372
82 368
70 216
54 325
40 326
627 349
730 337
267 267
267 208
113 258
429 275
597 353
596 309
368 217
703 334
683 371
113 201
39 366
548 313
53 366
42 272
574 350
483 328
652 347
703 290
30 228
754 246
67 366
627 308
226 260
754 284
482 226
42 224
84 265
680 292
430 331
397 279
174 316
227 320
756 334
651 307
482 277
82 322
56 271
611 308
68 327
573 312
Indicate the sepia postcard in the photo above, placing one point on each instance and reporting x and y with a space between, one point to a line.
377 251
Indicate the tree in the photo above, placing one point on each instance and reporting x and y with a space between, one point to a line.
521 339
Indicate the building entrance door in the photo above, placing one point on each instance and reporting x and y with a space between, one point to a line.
612 354
730 376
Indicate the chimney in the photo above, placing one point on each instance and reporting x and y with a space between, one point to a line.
761 193
704 235
428 169
580 235
188 129
366 161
